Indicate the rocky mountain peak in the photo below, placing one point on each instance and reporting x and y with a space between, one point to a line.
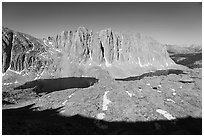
129 54
122 55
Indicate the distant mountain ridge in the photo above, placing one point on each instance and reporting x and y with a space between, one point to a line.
192 48
189 55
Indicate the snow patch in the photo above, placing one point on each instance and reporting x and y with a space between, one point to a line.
64 102
158 91
106 101
62 111
100 116
140 89
129 94
139 62
70 95
15 71
58 50
107 63
7 84
170 100
174 93
90 64
91 57
42 73
38 76
166 114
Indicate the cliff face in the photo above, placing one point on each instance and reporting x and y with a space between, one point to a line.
122 55
7 38
107 47
21 51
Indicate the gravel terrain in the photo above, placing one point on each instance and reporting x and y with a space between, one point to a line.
160 104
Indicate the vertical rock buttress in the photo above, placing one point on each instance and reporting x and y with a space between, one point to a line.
108 47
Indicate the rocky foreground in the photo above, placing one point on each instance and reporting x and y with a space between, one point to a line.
151 105
38 100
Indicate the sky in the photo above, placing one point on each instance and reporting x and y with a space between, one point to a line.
169 23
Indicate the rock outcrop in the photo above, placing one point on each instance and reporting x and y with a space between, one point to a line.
7 38
20 51
123 55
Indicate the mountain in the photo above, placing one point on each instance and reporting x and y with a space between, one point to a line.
184 49
122 55
187 55
96 83
76 53
20 51
25 57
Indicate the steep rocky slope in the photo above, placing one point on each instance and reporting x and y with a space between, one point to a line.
122 55
21 55
26 58
20 51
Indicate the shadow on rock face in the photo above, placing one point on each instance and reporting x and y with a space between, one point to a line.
151 74
25 120
50 85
